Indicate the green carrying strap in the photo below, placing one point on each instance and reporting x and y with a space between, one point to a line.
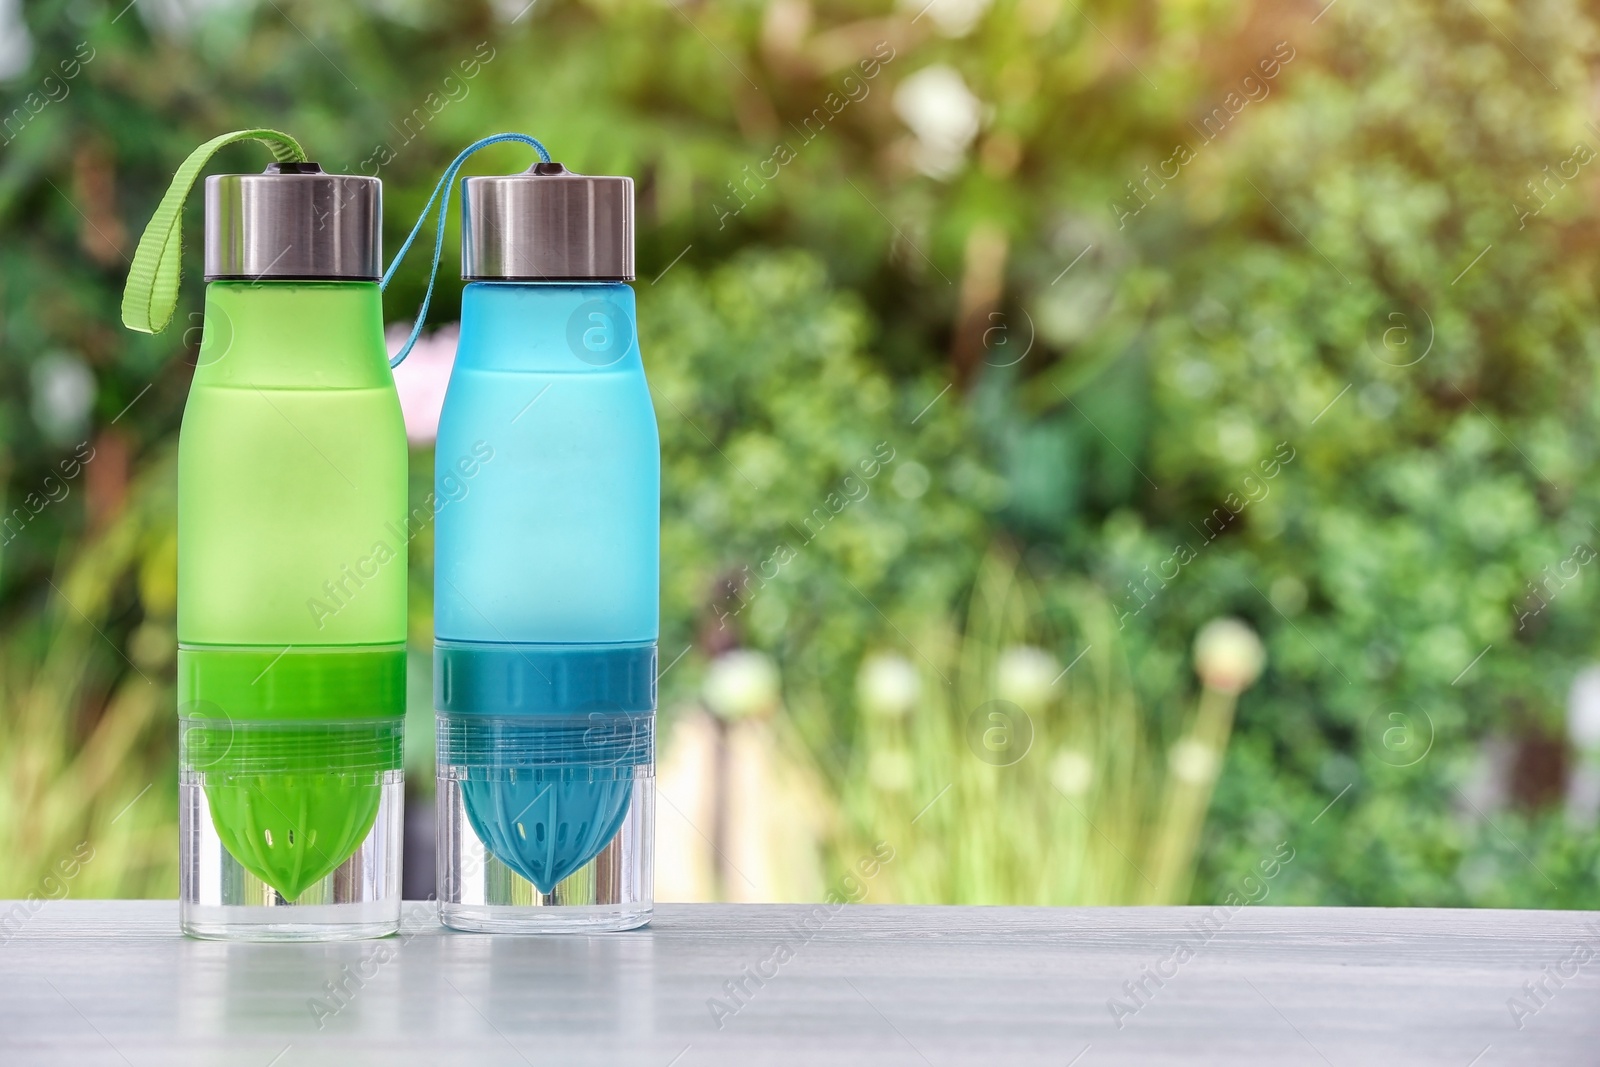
152 291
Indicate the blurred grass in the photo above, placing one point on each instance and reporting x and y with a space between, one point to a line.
1021 776
88 744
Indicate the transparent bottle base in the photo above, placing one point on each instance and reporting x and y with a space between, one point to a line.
611 892
219 899
511 919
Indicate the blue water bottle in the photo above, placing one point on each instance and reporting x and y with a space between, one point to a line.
547 559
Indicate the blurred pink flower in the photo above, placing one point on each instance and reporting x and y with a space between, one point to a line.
422 378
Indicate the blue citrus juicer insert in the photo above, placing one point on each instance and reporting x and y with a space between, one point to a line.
545 830
551 740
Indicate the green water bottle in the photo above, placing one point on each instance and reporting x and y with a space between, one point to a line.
292 535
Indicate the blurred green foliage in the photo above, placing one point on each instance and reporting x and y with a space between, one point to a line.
1169 246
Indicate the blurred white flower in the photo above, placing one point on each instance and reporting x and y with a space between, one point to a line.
943 114
16 43
891 770
911 479
63 391
1236 438
888 684
1193 761
1068 312
421 380
740 684
952 18
1072 772
1024 675
1228 656
180 18
1583 710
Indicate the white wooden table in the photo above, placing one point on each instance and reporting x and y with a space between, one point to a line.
111 982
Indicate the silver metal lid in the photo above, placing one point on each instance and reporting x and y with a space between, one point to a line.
547 224
294 221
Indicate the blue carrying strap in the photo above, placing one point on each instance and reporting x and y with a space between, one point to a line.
441 193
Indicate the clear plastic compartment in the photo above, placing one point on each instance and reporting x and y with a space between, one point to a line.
290 831
547 822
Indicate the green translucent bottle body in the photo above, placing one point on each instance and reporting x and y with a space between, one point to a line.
292 535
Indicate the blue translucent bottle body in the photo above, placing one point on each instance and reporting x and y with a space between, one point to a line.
547 551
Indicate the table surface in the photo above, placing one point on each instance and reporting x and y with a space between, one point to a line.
112 982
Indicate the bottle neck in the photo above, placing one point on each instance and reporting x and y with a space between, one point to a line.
564 327
293 334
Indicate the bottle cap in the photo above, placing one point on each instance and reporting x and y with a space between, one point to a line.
547 224
294 221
